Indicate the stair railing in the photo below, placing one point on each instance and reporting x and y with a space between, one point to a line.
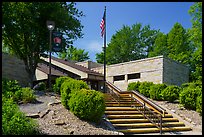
145 104
155 118
114 91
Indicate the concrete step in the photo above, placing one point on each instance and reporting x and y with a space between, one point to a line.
142 125
123 116
154 130
121 121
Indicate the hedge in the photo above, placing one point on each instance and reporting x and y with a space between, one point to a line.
155 91
144 88
134 86
171 93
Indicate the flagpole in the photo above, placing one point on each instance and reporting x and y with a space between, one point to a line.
105 54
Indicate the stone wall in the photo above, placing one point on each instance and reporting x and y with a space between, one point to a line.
149 69
157 70
14 69
174 72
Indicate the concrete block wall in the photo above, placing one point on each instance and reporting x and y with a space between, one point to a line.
14 69
175 73
150 69
157 70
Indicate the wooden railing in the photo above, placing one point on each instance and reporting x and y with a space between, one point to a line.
144 104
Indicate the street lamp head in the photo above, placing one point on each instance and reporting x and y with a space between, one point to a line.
50 25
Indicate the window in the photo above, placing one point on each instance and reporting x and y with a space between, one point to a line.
117 78
134 76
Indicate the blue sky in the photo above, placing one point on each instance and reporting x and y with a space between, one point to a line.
159 15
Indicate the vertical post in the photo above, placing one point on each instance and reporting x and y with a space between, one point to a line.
50 61
160 124
104 52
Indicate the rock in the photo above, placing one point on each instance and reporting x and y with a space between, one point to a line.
54 103
59 122
173 110
33 115
193 123
188 119
45 113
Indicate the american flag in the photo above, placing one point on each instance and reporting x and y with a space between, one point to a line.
102 25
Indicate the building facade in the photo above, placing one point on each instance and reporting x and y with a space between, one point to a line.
156 69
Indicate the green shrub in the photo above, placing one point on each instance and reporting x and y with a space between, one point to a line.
155 91
171 93
9 87
145 87
14 122
199 104
68 86
25 95
133 86
58 82
87 104
188 96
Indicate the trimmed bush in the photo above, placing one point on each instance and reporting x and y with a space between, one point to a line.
145 87
25 95
133 86
87 104
188 96
14 122
68 86
155 91
58 82
171 93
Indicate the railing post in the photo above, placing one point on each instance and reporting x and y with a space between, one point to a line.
131 98
160 124
144 108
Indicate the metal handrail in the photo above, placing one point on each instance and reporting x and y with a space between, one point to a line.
144 102
149 114
115 91
150 103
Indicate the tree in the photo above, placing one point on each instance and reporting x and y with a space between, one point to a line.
195 37
129 43
25 33
75 54
178 45
160 46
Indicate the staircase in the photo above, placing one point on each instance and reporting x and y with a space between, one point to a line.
125 118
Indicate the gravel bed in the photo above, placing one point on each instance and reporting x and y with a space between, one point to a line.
54 119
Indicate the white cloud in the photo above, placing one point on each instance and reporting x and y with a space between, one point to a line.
94 46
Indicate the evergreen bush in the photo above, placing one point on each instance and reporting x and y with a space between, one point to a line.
87 104
133 86
155 91
171 93
199 104
188 96
68 86
58 82
144 88
14 122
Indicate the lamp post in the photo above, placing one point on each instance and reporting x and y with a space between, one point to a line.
50 26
